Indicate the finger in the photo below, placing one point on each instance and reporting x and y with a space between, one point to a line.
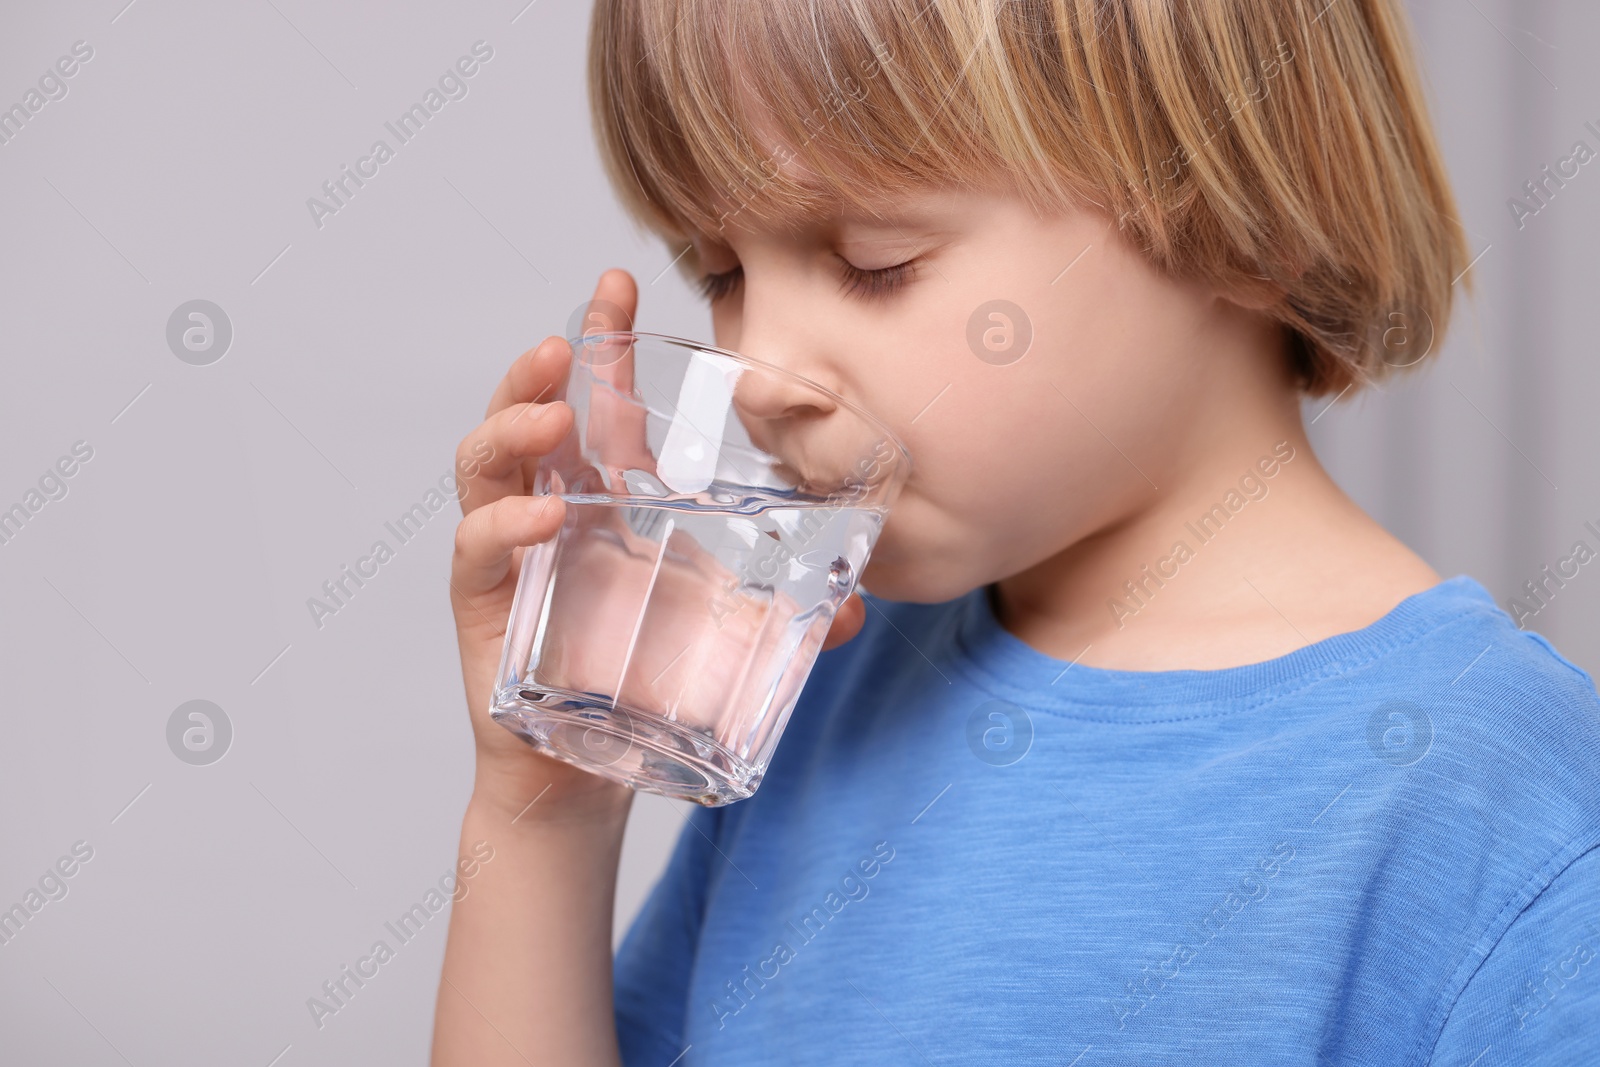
612 307
486 538
490 460
617 422
616 298
541 373
536 376
852 615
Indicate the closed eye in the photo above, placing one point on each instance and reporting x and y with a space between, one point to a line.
716 286
857 281
876 284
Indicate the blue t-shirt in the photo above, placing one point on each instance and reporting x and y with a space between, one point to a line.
1382 848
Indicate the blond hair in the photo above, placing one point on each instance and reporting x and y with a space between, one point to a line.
1280 148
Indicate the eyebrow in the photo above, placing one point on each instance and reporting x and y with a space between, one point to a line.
921 218
908 209
910 224
909 236
907 218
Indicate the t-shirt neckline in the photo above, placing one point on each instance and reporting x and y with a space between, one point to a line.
1009 667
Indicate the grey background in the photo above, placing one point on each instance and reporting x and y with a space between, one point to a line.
220 497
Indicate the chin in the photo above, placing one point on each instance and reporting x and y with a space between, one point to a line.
923 580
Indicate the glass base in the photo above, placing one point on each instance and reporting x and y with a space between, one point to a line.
639 749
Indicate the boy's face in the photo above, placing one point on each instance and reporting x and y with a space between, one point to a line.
1033 423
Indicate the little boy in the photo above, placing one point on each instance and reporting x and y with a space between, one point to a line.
1145 745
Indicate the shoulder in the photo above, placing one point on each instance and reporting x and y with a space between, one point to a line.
1517 712
1535 998
1496 699
1525 656
1494 740
1498 734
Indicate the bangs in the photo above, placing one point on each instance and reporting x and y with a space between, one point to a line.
1279 149
782 113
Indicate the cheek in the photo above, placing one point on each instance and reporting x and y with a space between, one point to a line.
972 490
1016 461
725 324
1008 473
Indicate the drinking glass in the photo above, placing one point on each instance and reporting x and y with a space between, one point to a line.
719 510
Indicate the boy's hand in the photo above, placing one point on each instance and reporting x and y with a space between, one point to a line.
497 462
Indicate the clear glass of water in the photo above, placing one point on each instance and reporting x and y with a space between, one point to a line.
719 510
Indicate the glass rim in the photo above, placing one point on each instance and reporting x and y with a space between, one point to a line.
872 420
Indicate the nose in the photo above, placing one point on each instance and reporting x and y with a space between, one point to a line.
781 414
784 416
762 395
765 334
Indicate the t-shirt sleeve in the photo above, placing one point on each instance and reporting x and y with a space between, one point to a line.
651 971
1535 1001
